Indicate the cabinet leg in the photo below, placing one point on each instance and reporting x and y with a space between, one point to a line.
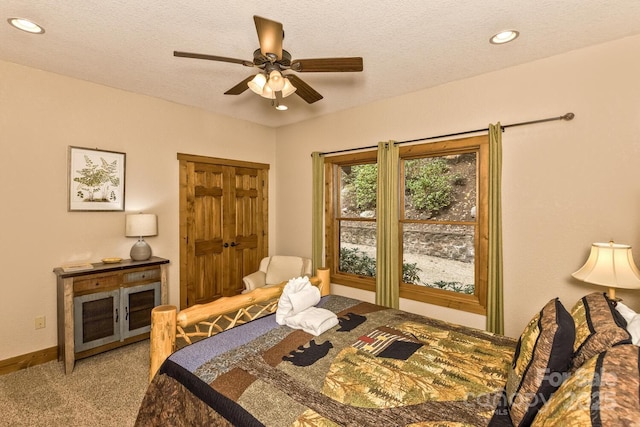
69 348
69 362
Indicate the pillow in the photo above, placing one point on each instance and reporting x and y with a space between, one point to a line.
282 268
540 362
604 391
633 322
599 326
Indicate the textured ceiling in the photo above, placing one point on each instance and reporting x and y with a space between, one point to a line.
406 45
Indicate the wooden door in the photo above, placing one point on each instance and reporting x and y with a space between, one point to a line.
204 218
223 225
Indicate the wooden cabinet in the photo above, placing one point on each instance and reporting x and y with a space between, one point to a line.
107 306
223 225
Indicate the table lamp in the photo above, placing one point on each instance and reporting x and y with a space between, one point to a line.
140 225
611 265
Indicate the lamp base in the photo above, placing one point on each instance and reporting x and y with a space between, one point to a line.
140 251
612 296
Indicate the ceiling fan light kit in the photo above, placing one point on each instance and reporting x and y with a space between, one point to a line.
270 82
267 87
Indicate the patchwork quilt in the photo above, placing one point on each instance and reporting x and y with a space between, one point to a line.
378 367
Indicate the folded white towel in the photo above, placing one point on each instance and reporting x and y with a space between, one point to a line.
314 320
305 298
297 295
296 308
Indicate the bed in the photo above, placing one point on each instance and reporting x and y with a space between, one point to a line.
386 367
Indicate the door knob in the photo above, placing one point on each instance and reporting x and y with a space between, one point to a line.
226 245
233 244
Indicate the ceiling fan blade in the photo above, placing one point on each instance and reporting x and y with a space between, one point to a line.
303 90
240 87
270 35
212 58
327 65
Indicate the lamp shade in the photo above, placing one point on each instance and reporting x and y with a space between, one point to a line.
268 93
288 88
610 264
139 225
257 83
276 81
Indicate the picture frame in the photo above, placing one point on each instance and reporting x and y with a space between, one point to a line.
96 180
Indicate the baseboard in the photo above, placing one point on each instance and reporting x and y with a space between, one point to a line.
26 360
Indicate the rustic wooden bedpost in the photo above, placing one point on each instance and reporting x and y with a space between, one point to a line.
163 336
323 275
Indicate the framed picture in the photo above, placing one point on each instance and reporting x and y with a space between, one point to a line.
96 180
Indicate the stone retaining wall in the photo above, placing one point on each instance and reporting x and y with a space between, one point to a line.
450 241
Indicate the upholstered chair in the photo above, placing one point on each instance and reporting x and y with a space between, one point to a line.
277 269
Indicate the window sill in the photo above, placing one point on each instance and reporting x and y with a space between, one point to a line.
469 303
359 282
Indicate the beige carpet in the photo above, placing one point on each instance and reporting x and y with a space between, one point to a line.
103 390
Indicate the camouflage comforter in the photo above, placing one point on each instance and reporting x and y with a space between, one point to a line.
378 367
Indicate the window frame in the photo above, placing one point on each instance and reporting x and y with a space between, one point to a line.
475 303
332 227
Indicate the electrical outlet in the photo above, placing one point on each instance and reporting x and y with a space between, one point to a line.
41 322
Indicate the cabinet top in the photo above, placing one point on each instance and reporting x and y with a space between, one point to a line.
100 267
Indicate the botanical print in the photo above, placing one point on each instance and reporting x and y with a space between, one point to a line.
96 180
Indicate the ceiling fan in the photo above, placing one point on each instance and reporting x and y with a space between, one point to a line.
272 60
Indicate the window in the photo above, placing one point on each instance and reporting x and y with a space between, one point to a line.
351 246
442 227
443 223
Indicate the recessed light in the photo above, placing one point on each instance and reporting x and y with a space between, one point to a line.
275 104
26 25
504 37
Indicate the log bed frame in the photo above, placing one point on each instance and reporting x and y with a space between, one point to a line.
205 320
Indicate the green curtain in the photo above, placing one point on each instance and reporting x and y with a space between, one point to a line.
387 274
495 302
317 225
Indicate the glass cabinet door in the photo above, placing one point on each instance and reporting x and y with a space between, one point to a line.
96 319
137 303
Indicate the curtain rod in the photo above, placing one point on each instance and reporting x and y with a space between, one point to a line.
568 116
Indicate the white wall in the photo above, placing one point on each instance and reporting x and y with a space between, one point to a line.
565 184
41 114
